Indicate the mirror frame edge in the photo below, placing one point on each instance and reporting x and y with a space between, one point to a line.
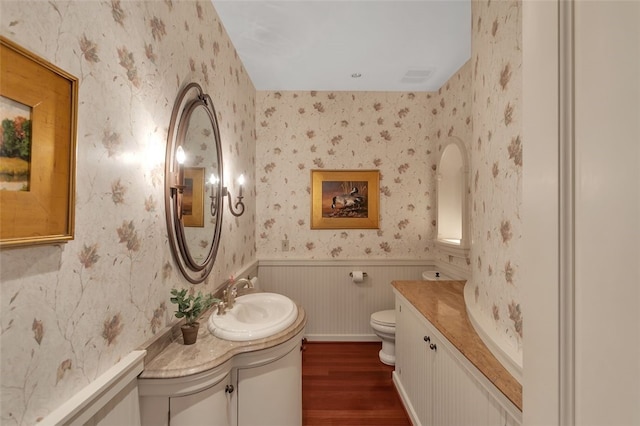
194 273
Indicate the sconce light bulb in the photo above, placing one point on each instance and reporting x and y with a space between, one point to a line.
241 180
180 155
213 179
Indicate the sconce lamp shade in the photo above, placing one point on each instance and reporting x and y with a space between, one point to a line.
180 155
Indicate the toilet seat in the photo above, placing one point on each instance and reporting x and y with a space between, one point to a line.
384 318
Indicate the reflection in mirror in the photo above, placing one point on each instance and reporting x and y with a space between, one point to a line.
193 154
199 224
452 193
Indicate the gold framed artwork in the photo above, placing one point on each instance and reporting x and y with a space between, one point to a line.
38 110
345 199
193 197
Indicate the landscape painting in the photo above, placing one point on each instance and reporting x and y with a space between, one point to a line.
15 146
38 116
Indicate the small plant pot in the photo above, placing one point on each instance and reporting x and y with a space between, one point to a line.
190 333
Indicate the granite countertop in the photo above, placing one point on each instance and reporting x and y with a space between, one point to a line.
167 357
442 303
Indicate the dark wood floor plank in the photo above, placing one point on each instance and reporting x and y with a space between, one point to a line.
345 384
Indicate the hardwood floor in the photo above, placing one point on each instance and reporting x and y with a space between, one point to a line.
346 384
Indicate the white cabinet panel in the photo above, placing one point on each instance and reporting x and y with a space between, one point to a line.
209 407
271 394
458 398
154 410
413 365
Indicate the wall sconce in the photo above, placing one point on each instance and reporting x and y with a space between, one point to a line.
238 203
213 181
236 209
178 185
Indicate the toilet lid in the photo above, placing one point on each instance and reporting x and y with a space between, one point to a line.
384 317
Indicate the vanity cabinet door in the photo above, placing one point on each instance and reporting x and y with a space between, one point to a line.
413 365
458 398
209 407
271 394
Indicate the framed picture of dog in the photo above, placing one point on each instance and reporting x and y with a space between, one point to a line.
345 199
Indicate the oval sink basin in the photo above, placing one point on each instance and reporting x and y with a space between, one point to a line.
254 316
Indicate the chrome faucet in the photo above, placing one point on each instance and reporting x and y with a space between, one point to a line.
231 292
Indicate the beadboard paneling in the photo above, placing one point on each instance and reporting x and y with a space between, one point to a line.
337 308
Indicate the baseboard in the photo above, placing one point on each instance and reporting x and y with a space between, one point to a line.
405 400
342 338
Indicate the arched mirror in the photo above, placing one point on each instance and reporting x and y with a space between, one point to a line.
193 188
452 196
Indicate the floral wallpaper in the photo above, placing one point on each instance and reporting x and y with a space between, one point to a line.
69 312
496 163
301 131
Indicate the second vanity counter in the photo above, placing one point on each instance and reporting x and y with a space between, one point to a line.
167 357
442 304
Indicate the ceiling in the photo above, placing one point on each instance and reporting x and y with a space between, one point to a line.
392 45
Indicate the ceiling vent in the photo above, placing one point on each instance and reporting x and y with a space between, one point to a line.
416 76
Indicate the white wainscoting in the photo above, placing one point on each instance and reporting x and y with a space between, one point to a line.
337 308
110 400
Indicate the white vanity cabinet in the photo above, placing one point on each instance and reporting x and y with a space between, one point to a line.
261 387
198 399
271 394
207 407
437 384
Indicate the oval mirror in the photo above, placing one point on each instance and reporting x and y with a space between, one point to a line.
193 188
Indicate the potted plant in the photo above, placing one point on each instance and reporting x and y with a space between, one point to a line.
190 307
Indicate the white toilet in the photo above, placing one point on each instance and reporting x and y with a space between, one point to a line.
384 325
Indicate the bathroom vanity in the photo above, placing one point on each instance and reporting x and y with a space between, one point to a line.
224 383
444 374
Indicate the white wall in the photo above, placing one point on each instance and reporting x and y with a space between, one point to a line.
582 345
540 213
607 212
